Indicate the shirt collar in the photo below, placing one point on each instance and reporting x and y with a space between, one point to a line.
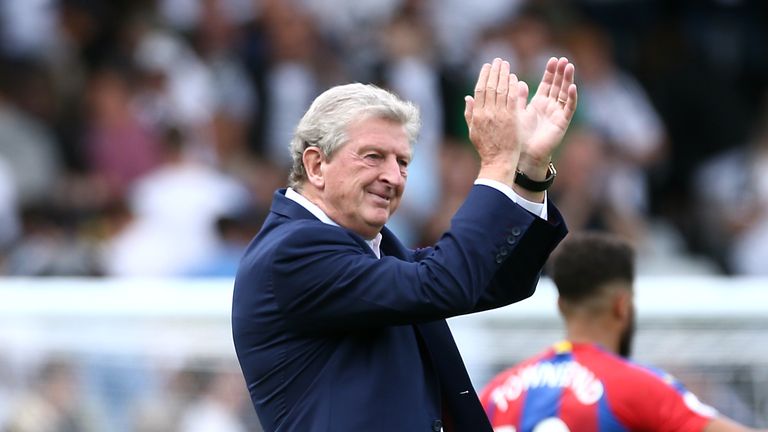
290 193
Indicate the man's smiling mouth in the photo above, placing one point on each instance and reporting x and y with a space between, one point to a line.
382 196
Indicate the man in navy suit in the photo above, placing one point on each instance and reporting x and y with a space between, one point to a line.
338 326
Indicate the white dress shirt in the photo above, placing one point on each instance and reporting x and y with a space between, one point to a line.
539 209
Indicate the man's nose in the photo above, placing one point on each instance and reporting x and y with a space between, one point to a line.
392 172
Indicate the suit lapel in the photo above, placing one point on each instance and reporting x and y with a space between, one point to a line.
289 208
391 246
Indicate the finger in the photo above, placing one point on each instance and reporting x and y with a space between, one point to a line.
482 80
502 90
522 95
568 77
492 83
469 105
557 82
570 105
512 93
547 78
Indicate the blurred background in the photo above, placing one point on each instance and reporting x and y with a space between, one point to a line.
141 142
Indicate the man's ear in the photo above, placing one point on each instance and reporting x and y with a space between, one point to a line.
622 304
313 159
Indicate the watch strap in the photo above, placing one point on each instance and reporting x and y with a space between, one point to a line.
536 186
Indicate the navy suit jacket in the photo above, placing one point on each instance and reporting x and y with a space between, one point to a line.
332 339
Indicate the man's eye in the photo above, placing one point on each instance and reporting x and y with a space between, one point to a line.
403 163
373 156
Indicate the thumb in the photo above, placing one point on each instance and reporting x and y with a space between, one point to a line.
522 94
469 106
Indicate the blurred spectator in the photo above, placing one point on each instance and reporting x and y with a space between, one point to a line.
120 148
55 404
261 176
186 15
616 106
234 232
9 208
459 166
526 39
162 409
732 197
51 245
458 24
202 396
26 27
8 385
175 87
291 79
234 96
351 31
219 405
174 211
26 143
91 37
578 190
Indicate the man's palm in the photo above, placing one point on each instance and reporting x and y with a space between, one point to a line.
543 125
545 119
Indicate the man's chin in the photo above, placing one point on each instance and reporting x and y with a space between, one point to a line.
378 220
378 224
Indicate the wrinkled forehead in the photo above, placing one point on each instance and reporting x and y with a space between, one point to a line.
378 131
387 115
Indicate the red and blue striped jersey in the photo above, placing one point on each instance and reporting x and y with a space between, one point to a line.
582 387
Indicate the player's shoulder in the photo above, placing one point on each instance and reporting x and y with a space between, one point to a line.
610 366
499 379
659 388
530 361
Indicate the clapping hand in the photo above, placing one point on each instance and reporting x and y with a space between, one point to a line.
493 116
545 119
508 132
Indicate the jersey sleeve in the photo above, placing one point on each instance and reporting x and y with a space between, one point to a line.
661 403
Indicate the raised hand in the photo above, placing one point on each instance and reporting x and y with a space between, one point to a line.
493 119
545 119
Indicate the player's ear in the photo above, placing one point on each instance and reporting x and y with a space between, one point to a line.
561 306
622 304
313 158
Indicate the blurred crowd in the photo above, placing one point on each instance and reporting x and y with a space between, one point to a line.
146 137
63 395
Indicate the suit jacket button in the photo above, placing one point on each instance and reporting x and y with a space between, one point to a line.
511 240
516 231
499 259
437 426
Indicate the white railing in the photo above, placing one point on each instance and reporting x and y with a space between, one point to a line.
704 328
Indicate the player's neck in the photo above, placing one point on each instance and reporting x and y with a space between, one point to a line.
593 333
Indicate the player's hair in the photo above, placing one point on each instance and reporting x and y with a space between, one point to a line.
586 261
325 123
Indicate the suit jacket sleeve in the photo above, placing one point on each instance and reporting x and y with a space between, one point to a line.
515 281
323 279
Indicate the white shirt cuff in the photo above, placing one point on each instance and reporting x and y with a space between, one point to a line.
539 209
